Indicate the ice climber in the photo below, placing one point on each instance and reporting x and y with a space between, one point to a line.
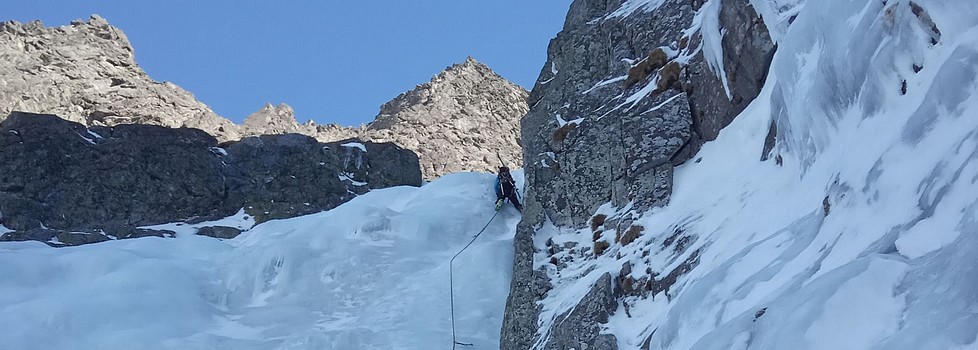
506 189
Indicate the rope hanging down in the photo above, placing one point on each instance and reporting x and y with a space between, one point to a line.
451 280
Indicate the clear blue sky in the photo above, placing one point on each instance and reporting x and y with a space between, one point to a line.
332 61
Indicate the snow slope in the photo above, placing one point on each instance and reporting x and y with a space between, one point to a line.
864 237
370 274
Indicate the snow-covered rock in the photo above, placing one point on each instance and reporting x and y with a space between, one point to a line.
629 92
836 211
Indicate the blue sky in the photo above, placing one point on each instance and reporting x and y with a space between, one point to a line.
332 61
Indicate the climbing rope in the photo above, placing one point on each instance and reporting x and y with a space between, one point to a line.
451 280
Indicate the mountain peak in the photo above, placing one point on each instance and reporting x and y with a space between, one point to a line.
471 62
86 72
468 69
271 119
459 121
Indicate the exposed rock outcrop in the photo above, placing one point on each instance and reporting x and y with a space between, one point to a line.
86 72
60 175
272 120
628 92
458 121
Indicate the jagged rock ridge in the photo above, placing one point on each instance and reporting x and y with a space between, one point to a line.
459 121
86 72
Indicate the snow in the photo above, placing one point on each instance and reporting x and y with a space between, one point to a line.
553 72
87 140
545 156
629 7
639 95
369 274
777 14
605 82
219 151
239 220
561 122
346 176
356 145
890 266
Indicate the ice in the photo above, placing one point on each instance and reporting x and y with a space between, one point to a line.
369 274
87 140
355 145
708 19
777 14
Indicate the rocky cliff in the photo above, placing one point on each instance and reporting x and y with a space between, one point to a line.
86 72
630 90
87 184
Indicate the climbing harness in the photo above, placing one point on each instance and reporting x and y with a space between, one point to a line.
451 280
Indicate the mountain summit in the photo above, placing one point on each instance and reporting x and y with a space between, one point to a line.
458 121
272 119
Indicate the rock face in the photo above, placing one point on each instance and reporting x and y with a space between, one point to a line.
630 90
272 120
59 175
459 121
85 72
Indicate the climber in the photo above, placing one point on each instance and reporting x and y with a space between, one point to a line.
506 189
